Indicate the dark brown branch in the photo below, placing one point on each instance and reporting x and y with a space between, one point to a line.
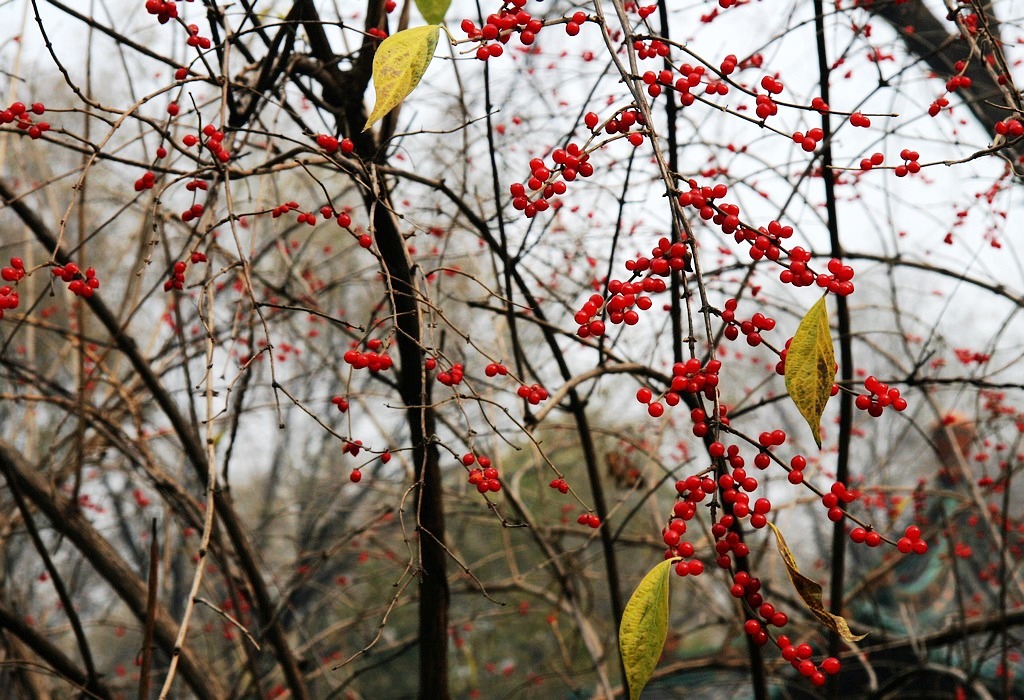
342 91
151 602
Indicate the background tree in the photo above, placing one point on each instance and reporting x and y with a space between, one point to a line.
291 406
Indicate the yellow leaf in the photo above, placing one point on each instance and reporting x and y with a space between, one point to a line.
400 62
644 627
811 366
433 10
810 591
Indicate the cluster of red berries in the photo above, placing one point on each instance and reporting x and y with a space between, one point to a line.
559 485
533 393
9 295
18 112
728 64
651 285
589 519
575 23
330 144
687 377
499 28
868 163
727 541
910 165
879 397
569 163
747 587
691 491
957 82
195 40
839 281
1010 128
494 369
735 488
622 123
796 469
213 141
838 496
700 417
769 616
764 105
668 256
485 477
772 84
799 655
193 185
340 402
764 242
165 10
193 212
751 328
810 140
651 49
773 438
177 280
450 377
146 182
369 359
540 179
858 119
702 198
860 535
14 273
690 77
935 107
692 378
352 447
8 299
79 284
911 541
282 209
625 298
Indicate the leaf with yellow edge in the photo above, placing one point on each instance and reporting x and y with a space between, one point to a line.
433 10
811 366
400 62
644 627
810 591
